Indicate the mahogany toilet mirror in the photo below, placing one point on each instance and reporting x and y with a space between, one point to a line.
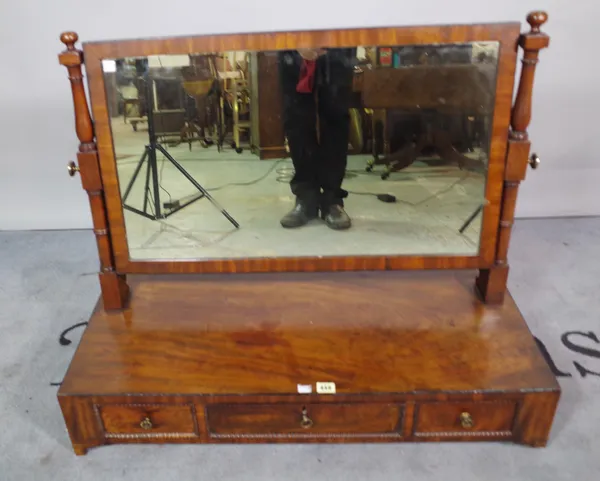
340 203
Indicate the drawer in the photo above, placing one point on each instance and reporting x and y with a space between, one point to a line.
303 420
490 418
147 420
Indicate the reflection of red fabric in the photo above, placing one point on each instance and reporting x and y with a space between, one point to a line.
307 77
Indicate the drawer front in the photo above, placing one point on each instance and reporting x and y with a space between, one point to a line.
469 418
303 420
147 420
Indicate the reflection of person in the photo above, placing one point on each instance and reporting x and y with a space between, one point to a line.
316 87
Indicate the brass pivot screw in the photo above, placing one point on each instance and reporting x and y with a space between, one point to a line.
72 168
534 161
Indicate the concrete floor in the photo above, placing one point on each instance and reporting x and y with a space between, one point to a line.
432 204
48 283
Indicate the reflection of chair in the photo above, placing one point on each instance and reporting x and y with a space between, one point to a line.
355 135
130 101
128 104
240 98
200 82
221 97
235 100
435 93
168 124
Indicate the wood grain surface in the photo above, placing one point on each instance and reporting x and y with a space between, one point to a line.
211 359
163 418
491 416
287 418
264 334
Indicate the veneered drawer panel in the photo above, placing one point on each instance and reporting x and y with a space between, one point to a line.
147 418
465 417
304 418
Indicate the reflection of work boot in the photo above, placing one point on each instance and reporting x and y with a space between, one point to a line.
335 217
300 214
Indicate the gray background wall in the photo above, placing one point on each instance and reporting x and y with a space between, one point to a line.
37 137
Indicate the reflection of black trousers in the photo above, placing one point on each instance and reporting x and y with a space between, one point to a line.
319 159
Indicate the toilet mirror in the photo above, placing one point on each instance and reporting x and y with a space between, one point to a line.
365 150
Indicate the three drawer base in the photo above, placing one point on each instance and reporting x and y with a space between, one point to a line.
517 417
255 371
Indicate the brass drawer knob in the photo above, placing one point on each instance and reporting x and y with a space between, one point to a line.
466 420
534 161
72 168
146 423
306 422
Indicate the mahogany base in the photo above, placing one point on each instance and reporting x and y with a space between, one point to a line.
221 358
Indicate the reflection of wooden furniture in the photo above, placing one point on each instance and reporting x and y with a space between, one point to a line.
199 82
230 358
169 123
239 87
129 103
267 134
429 90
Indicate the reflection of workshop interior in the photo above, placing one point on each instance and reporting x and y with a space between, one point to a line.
260 199
194 98
230 139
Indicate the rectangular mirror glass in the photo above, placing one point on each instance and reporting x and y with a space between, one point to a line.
372 150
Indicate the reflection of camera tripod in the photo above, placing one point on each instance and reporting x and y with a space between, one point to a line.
471 218
149 158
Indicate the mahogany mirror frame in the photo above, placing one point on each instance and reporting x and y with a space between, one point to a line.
508 159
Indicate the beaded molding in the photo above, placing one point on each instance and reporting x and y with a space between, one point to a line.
150 435
304 436
465 433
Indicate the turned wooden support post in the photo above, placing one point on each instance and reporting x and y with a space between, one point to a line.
531 43
491 283
73 59
114 288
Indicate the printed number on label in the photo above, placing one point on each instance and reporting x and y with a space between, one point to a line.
326 387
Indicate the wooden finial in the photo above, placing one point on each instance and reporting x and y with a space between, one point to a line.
531 43
536 20
73 59
69 39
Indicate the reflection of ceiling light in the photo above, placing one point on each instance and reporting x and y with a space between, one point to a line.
168 61
109 66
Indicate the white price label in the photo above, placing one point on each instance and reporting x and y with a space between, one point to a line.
326 387
304 388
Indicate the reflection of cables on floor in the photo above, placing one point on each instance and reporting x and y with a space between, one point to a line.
166 225
285 174
391 198
160 175
162 165
151 204
250 182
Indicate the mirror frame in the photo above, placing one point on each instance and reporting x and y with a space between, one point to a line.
506 34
